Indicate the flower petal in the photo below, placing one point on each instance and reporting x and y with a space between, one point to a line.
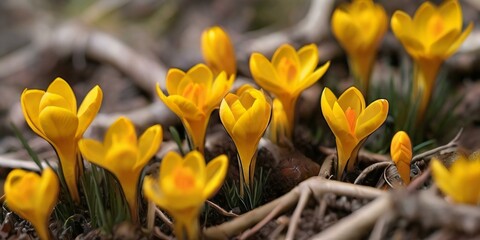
61 87
308 56
148 144
174 77
265 74
453 48
451 13
30 101
372 118
215 174
89 109
92 150
352 98
121 131
59 125
311 79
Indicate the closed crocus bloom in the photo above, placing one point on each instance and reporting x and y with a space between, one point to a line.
53 115
193 96
278 127
218 51
460 182
433 35
33 197
245 116
401 153
124 156
183 186
351 122
359 28
287 75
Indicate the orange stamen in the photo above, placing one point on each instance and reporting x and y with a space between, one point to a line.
351 118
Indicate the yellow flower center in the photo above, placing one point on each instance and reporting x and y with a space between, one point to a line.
183 179
287 69
351 118
196 93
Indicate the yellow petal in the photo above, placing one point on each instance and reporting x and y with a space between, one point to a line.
148 144
174 76
441 46
451 13
453 48
30 101
170 161
120 159
200 73
152 191
121 131
48 190
61 87
372 118
196 162
59 125
422 17
54 100
345 30
311 79
215 174
328 100
285 60
352 98
89 109
92 150
441 176
226 115
402 25
221 86
186 107
265 74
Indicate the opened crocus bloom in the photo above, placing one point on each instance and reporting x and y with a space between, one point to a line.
359 28
183 186
351 123
245 116
53 115
401 153
218 51
33 197
460 182
193 96
432 36
124 156
287 75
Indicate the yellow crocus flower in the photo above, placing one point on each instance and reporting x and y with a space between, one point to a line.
124 156
193 96
460 182
245 116
183 186
287 75
433 35
218 51
33 197
278 127
359 28
351 122
401 153
53 115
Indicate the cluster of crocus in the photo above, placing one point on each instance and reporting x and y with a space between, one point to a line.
124 156
245 116
460 181
183 186
288 74
359 28
193 96
432 36
33 197
218 51
53 115
401 153
351 123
